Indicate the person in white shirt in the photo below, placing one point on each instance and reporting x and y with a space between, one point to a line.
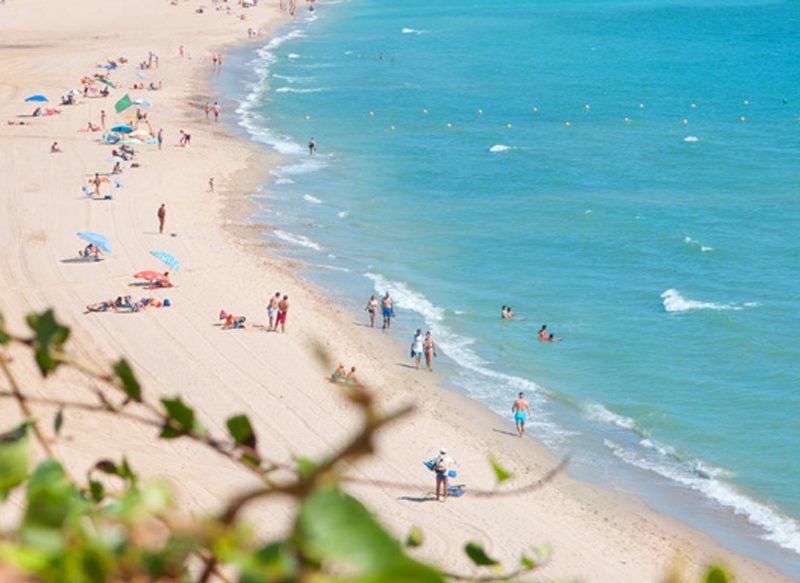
441 467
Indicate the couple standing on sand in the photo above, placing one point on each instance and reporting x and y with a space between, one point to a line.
276 311
387 309
423 347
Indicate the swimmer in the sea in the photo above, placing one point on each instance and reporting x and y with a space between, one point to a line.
543 333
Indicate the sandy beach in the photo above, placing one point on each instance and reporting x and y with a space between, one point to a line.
596 535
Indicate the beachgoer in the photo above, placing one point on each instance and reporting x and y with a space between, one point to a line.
312 146
372 309
552 338
543 333
217 109
181 51
160 138
210 185
117 168
521 409
283 309
207 109
429 348
441 466
103 118
96 182
162 217
509 313
387 306
504 313
339 375
417 347
54 149
352 379
272 308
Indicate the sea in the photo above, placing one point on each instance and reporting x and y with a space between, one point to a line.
626 172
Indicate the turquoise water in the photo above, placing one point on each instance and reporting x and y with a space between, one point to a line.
625 172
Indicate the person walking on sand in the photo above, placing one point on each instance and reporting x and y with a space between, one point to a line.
272 308
312 146
441 467
160 138
417 347
207 110
217 110
521 409
283 309
372 309
103 118
162 218
96 182
387 307
429 348
211 184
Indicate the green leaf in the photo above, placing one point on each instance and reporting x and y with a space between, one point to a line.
717 575
58 422
51 499
415 537
500 473
4 337
180 419
49 334
241 431
129 383
334 528
526 562
97 491
305 466
478 555
273 562
15 452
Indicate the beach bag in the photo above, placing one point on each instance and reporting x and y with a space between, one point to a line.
440 467
167 303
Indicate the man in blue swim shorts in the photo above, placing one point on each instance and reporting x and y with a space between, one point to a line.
521 409
387 307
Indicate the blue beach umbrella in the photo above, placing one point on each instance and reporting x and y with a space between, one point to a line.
36 98
97 240
168 259
142 102
122 129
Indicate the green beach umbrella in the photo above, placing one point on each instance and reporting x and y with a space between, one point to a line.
123 103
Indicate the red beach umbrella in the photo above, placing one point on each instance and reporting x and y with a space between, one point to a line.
151 276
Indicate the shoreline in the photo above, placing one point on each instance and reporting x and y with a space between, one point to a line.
228 261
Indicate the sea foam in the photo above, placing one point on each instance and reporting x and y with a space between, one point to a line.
300 240
674 302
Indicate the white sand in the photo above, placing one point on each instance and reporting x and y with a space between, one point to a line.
46 47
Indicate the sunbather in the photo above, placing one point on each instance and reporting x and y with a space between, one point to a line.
231 321
101 306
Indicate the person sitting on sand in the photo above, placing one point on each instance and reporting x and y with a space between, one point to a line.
352 379
123 302
339 375
54 149
91 251
90 127
117 169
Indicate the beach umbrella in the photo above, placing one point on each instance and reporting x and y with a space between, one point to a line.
106 82
96 239
131 142
116 159
36 98
151 276
122 129
142 102
74 92
168 259
139 134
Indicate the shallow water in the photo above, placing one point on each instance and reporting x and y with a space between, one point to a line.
625 172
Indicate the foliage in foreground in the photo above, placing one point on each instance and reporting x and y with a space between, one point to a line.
108 526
